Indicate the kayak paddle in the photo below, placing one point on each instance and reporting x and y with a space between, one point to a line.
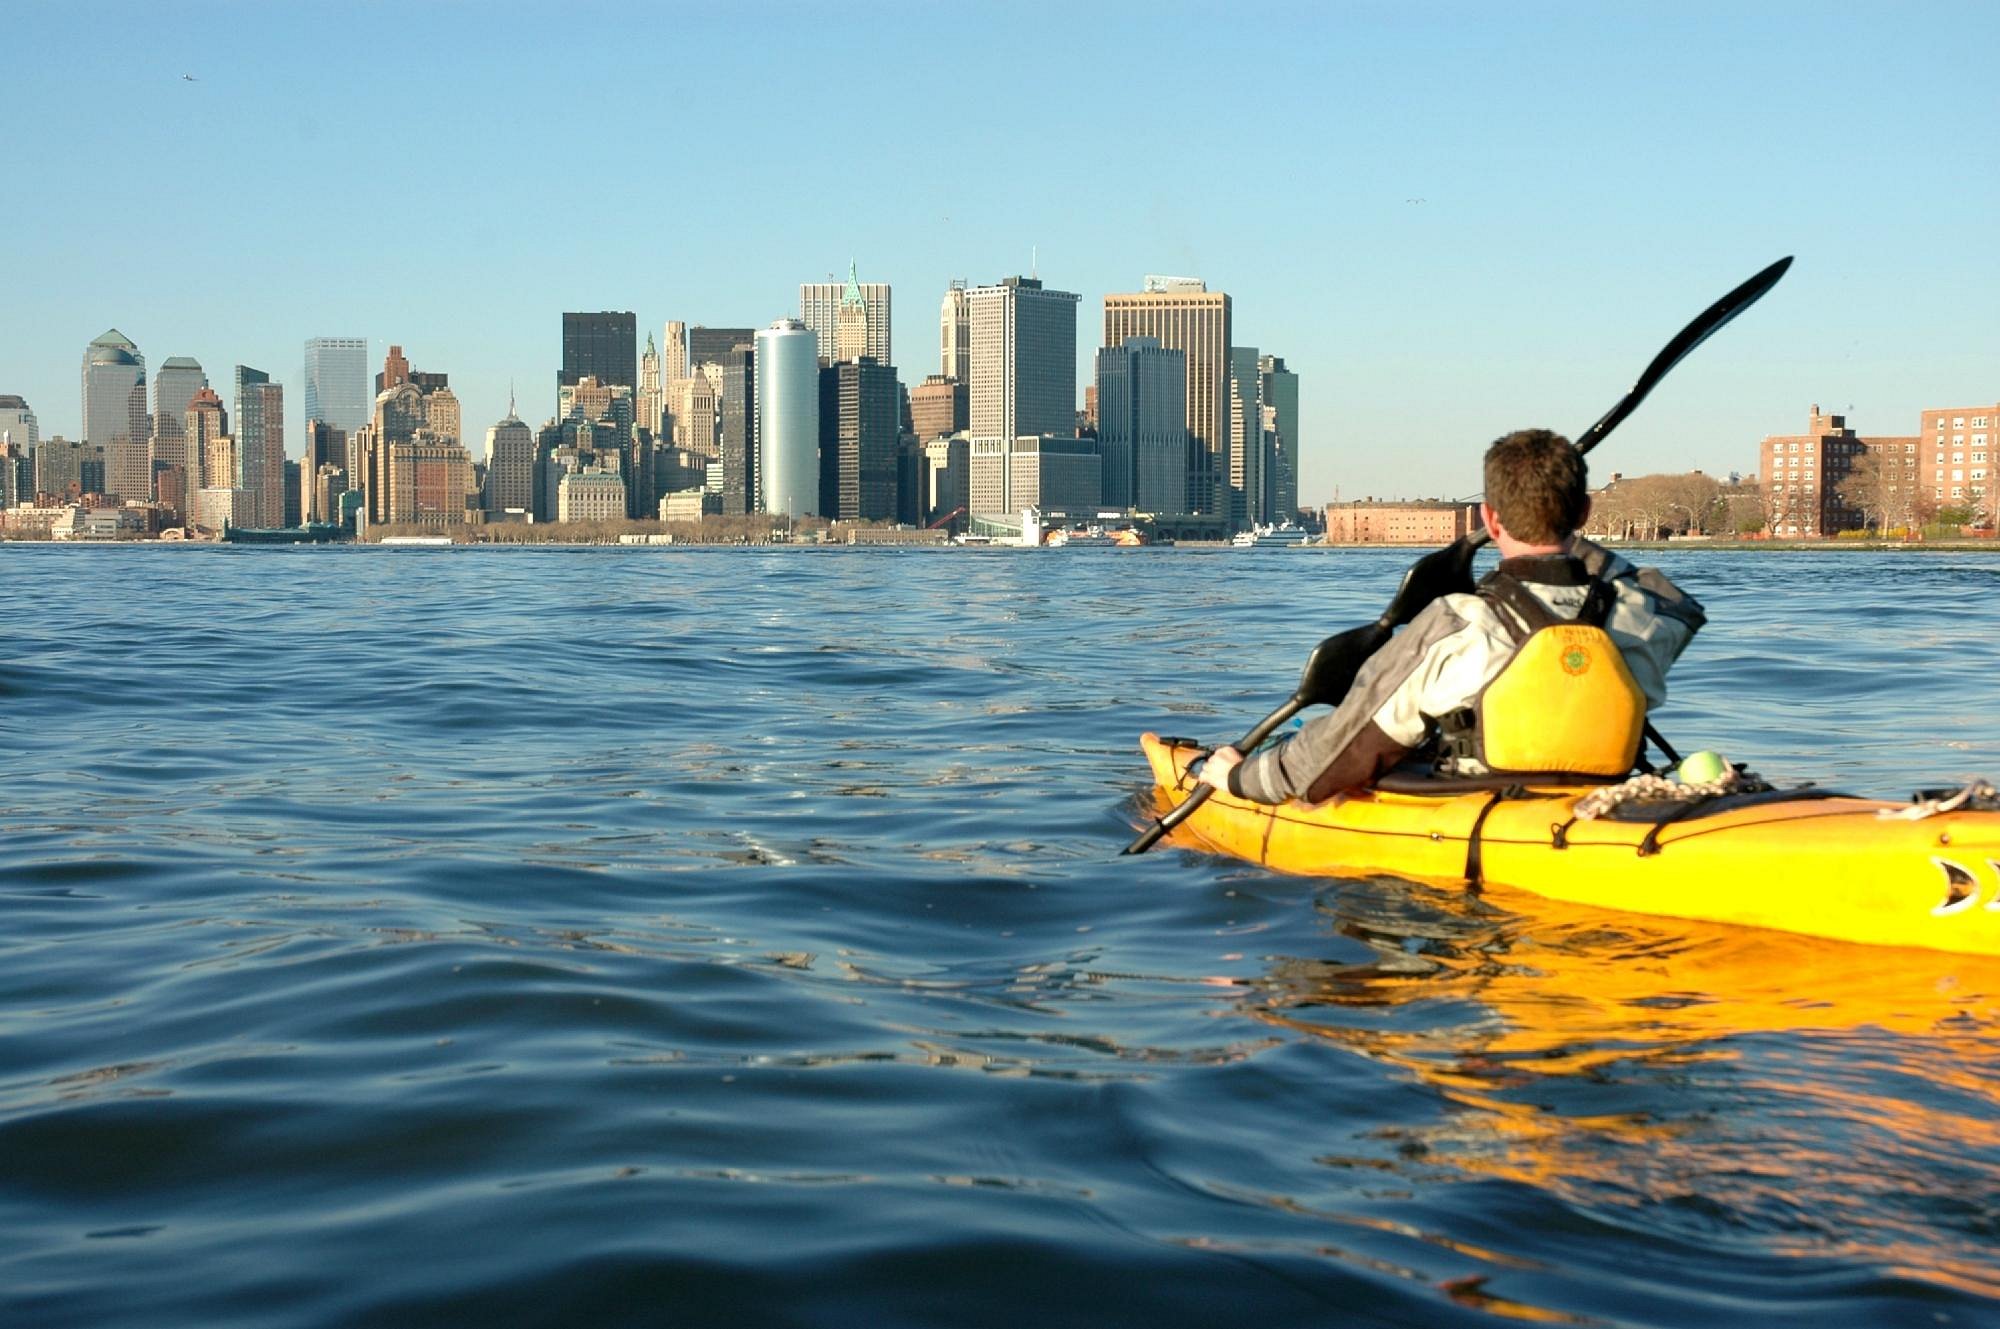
1331 668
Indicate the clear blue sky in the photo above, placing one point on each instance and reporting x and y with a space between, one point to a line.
1451 219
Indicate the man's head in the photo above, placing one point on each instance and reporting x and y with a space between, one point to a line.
1537 485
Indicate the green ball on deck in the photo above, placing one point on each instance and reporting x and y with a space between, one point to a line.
1703 768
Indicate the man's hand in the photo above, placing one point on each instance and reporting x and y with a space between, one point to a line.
1215 771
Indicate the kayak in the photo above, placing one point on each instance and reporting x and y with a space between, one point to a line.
1798 860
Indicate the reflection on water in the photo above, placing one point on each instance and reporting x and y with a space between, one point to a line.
1818 1098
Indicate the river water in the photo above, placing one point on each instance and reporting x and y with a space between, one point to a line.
551 937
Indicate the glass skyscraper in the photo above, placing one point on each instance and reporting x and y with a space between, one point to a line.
601 346
337 382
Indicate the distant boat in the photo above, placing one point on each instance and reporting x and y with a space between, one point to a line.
1285 535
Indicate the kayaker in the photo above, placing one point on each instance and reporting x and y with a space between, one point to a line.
1428 688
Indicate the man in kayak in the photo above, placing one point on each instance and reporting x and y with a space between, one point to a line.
1432 683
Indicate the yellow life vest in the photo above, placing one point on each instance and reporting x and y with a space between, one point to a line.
1565 702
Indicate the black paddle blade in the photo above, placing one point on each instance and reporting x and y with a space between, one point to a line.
1705 325
1331 667
1446 571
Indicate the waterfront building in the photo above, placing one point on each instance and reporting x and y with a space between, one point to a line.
591 494
413 400
428 477
955 334
1957 449
329 487
1805 475
18 421
68 468
939 406
336 383
858 441
652 398
219 509
114 414
1142 430
675 469
260 446
736 403
1006 475
1281 401
603 346
1023 374
690 505
849 319
788 419
510 466
1184 315
1246 438
1396 522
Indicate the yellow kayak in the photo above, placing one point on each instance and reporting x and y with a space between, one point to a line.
1853 869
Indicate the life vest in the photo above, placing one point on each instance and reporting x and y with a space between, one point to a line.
1565 702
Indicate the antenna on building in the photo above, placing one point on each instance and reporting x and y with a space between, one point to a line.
1035 262
510 398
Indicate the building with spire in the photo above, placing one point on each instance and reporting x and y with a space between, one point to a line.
652 393
510 466
850 319
114 414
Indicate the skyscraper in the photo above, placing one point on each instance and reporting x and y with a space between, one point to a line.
603 346
955 335
1023 375
180 377
711 346
1281 398
326 446
114 414
938 406
1186 316
652 393
1142 425
260 446
336 385
787 423
737 406
1246 438
850 319
858 437
19 421
510 465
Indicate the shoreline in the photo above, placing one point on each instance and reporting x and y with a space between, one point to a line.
1960 546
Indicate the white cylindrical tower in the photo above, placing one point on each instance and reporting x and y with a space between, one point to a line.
787 363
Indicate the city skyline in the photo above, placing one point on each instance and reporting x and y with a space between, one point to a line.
1438 258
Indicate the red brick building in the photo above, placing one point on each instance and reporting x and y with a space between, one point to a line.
1394 522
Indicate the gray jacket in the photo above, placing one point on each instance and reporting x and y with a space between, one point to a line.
1448 653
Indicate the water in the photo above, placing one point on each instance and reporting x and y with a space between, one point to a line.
590 937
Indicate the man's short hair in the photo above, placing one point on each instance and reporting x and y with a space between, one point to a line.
1538 484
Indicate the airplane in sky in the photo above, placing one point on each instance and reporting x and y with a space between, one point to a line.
189 78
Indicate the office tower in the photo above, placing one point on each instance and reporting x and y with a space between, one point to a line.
19 421
601 346
65 467
850 319
712 346
326 446
294 501
203 423
787 424
442 415
395 371
938 406
945 493
736 394
652 393
114 414
1142 425
17 471
260 446
674 359
336 384
1184 315
955 334
858 437
174 387
510 465
697 412
1023 376
1281 399
1246 438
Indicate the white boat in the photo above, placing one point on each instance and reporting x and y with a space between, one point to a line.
1285 535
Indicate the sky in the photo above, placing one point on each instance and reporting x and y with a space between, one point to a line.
1451 220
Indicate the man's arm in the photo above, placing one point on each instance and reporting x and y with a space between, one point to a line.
1370 731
